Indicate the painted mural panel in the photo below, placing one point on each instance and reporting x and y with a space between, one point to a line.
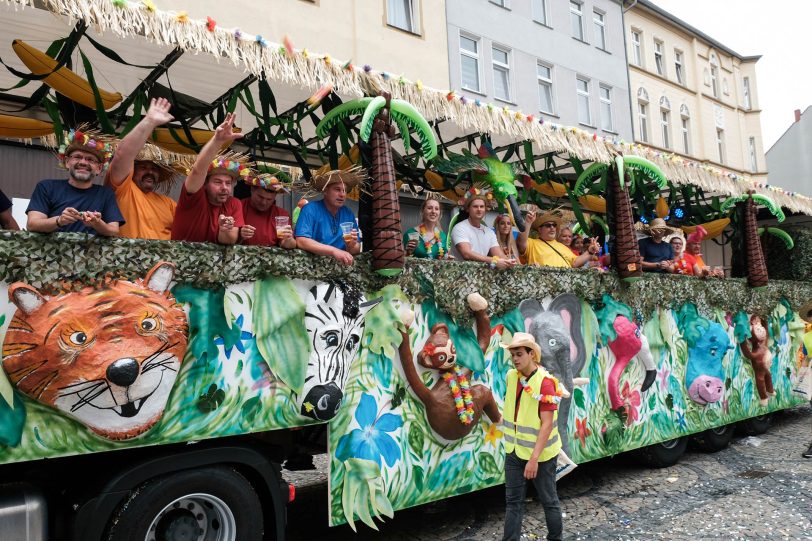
631 380
122 364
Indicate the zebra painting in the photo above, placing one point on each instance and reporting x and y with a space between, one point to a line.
334 319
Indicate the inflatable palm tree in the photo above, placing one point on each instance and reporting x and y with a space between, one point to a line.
756 266
378 115
618 181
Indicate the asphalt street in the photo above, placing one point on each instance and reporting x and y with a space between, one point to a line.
758 488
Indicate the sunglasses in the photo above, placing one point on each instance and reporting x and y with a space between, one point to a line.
549 224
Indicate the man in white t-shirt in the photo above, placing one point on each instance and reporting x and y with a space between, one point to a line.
473 241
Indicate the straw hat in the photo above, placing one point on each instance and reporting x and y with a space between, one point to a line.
657 224
806 312
170 164
523 339
268 181
554 215
87 140
351 178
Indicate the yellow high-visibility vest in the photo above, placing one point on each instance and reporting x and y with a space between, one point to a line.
520 437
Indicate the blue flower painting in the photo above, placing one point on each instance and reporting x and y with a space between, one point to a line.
372 439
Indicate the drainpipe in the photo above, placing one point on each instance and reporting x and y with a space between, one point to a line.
626 56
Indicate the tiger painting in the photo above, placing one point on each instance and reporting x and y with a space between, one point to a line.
107 357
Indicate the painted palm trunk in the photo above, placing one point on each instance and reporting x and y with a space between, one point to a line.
626 257
387 247
756 266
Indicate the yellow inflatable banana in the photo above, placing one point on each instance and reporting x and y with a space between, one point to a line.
595 203
550 189
661 208
436 181
164 139
23 128
62 80
713 228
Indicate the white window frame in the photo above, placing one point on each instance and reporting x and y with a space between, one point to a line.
637 47
720 144
501 3
476 57
583 94
659 57
665 127
577 10
545 12
542 81
685 126
753 159
599 23
642 114
606 103
679 67
414 12
748 102
499 66
714 76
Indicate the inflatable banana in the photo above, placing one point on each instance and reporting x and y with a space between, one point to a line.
166 140
595 203
550 189
23 128
713 228
62 80
435 180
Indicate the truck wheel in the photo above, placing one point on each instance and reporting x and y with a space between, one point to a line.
664 454
714 439
205 504
755 426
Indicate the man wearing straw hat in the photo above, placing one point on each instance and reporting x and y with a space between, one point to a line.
532 441
76 204
135 173
546 250
266 223
327 227
657 254
207 211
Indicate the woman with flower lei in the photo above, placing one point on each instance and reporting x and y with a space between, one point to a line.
427 240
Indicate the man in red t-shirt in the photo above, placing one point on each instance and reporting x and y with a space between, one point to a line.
260 212
207 211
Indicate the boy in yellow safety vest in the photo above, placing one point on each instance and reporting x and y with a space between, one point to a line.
532 442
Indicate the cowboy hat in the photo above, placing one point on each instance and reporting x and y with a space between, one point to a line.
526 340
657 224
806 312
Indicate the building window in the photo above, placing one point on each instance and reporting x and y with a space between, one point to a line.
746 89
501 3
665 119
402 14
642 114
678 69
714 76
577 19
501 73
605 95
600 29
540 11
720 144
469 63
659 61
637 48
685 119
545 79
753 162
582 88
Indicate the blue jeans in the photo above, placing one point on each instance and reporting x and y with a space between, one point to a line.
515 489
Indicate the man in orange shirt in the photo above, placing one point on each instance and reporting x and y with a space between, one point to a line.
135 173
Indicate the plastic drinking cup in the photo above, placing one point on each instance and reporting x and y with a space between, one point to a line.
346 230
282 225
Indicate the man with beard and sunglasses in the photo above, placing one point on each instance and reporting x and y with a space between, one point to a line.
76 204
136 171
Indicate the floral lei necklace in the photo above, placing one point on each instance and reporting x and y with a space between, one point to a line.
461 390
435 239
543 398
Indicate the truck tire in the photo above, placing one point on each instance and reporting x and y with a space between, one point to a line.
755 426
664 454
204 504
714 439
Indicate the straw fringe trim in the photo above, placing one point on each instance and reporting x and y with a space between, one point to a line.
258 55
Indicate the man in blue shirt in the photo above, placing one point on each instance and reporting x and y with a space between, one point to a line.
657 255
318 229
76 204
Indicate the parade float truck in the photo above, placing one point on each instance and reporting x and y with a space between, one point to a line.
152 389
